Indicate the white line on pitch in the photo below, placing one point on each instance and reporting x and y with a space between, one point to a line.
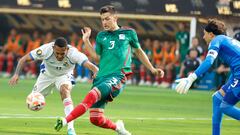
27 116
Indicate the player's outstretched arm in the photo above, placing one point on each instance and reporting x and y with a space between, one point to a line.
144 59
20 64
86 31
91 67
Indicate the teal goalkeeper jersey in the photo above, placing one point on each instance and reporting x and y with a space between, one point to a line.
115 48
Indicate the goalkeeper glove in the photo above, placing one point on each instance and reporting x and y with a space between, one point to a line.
185 83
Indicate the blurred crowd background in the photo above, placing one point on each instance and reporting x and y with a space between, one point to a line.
167 42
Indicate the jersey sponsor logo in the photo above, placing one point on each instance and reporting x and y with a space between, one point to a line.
39 52
212 53
122 36
104 38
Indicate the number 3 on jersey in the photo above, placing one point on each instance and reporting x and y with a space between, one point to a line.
235 82
112 44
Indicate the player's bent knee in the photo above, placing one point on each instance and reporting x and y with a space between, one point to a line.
64 91
97 117
224 106
98 121
227 109
217 98
65 88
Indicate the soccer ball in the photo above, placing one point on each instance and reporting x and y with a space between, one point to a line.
35 101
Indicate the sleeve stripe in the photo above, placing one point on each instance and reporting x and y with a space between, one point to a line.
70 60
84 62
31 56
49 56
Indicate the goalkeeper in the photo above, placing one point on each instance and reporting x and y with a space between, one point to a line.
228 50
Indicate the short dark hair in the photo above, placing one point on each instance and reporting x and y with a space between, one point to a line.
108 8
61 42
237 36
215 26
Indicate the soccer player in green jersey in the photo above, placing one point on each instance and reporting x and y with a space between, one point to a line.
114 46
182 38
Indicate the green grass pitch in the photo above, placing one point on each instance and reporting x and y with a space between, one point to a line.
144 110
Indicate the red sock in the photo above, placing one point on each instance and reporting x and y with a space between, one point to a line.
92 97
142 73
9 64
169 77
148 78
1 62
97 118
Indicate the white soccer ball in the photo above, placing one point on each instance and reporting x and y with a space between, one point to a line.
35 101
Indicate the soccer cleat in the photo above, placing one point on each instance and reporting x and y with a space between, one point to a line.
84 79
121 129
78 79
71 131
141 82
59 124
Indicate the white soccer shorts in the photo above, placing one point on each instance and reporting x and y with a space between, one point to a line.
45 84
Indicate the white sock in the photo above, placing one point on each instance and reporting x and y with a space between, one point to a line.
68 107
64 122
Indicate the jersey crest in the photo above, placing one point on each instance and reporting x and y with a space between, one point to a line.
121 36
66 64
39 52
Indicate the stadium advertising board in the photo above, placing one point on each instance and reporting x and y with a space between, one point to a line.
68 24
159 7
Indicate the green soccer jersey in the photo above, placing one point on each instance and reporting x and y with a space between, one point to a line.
183 39
115 48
